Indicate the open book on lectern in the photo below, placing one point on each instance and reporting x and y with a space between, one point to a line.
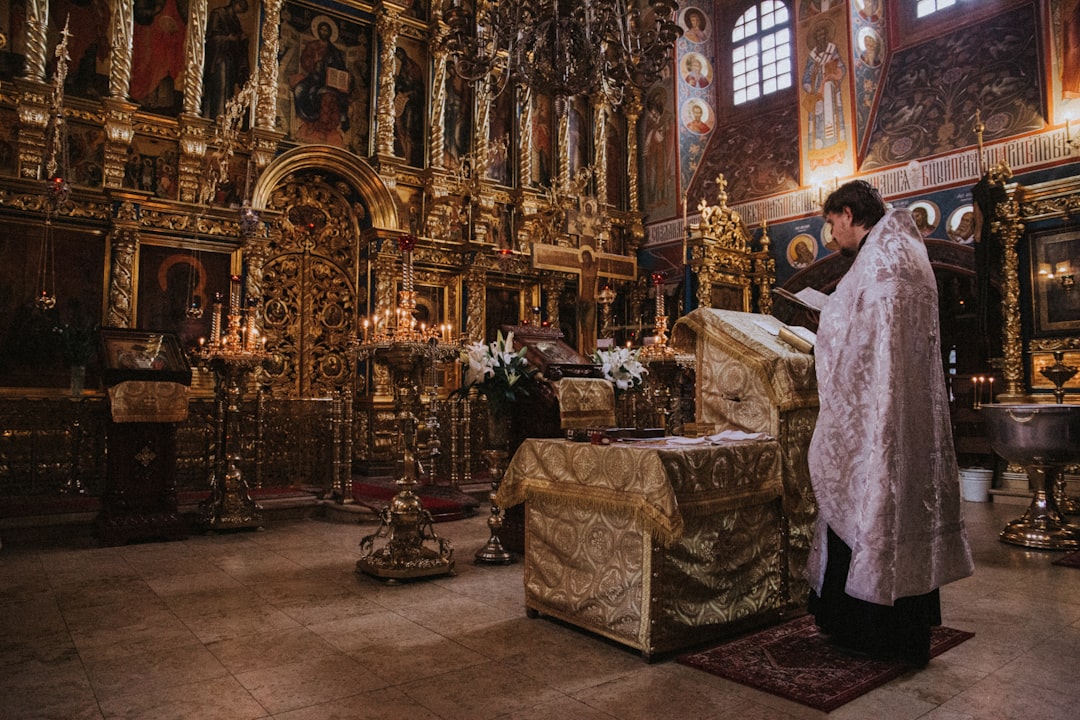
808 297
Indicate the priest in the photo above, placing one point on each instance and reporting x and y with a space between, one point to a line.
889 532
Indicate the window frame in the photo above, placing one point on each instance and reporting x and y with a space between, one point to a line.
730 45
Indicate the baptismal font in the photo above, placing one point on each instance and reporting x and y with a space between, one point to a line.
405 349
235 349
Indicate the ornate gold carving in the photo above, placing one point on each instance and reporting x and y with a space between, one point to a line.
721 253
388 25
125 240
437 111
1010 228
632 107
194 56
37 25
119 131
266 114
120 58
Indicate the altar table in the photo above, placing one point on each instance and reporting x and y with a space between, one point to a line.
657 544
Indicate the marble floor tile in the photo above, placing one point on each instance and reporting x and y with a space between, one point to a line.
278 625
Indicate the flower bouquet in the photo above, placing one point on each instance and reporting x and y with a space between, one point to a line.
497 371
621 367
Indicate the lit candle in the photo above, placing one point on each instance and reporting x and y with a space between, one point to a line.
990 391
234 292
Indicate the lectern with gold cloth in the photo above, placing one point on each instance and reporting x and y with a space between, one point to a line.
657 544
750 380
147 377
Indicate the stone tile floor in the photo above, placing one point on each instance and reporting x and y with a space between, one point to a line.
277 624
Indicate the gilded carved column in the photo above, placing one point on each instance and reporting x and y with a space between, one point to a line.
600 158
194 56
256 251
437 121
33 122
632 109
193 127
388 25
124 241
119 110
564 149
1010 229
33 93
37 23
265 134
476 291
525 139
120 55
266 114
553 287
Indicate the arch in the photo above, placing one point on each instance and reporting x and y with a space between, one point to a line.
381 207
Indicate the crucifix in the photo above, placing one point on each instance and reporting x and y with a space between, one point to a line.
590 264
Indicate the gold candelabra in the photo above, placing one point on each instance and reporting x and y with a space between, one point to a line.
659 349
405 348
235 348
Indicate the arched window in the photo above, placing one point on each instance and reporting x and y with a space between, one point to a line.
925 7
761 51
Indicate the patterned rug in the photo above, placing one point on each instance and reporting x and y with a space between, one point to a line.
1071 560
793 661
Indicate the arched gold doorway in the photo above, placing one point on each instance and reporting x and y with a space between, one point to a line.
323 206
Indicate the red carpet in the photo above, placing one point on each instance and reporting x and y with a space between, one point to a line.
793 661
1071 560
444 502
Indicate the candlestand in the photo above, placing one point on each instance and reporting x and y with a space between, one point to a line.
405 350
405 523
234 351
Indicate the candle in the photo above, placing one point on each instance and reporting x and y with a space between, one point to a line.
365 330
234 292
990 391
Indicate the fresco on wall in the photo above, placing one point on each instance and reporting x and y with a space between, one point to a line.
657 147
230 29
932 90
756 157
824 95
960 225
157 55
578 141
325 76
868 35
695 86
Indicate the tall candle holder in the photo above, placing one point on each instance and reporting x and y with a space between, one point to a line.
659 349
1061 373
405 349
234 350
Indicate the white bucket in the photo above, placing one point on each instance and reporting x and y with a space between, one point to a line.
975 484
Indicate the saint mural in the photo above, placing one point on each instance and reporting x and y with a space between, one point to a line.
320 88
157 54
823 104
409 102
227 51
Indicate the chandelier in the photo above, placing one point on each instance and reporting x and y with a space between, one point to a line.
563 48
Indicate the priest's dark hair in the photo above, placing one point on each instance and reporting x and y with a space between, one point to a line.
861 198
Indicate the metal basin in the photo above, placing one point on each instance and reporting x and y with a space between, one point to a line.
1033 434
1042 438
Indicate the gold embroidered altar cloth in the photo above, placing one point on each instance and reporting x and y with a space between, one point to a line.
657 544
